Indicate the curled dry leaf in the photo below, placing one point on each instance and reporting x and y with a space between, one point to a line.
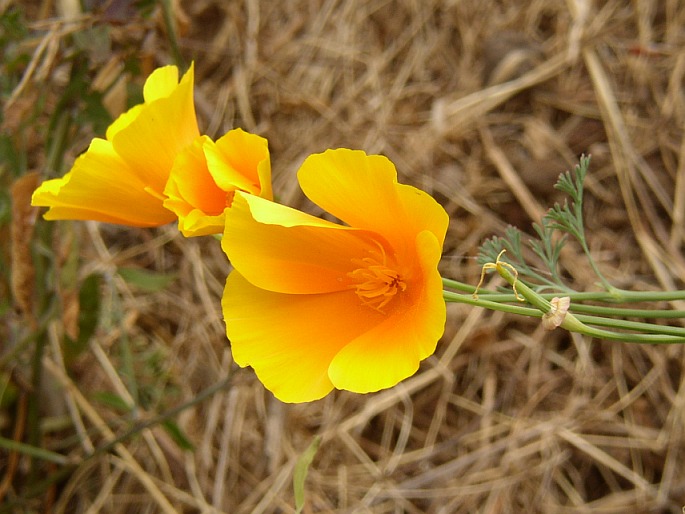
556 315
21 233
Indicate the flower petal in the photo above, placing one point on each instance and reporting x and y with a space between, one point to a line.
362 191
284 250
240 160
196 223
289 340
123 121
192 193
160 129
101 187
392 350
161 83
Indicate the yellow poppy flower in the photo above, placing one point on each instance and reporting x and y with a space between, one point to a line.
206 175
121 179
312 305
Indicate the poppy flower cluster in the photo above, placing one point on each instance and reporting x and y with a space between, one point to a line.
311 305
154 167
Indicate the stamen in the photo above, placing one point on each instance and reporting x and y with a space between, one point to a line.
375 282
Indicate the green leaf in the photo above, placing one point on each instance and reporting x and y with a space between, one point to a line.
300 472
149 281
88 317
177 435
8 391
112 400
33 451
491 248
572 183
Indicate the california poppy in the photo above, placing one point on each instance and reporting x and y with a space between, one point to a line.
311 304
206 175
121 179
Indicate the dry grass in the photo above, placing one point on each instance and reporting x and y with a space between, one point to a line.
482 104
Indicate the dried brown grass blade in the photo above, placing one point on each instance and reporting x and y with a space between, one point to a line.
451 116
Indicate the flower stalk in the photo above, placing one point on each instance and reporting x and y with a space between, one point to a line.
581 318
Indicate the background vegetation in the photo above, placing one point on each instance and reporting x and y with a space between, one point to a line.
117 389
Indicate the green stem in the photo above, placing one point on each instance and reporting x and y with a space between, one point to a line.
449 296
486 303
613 291
596 310
633 325
167 11
599 310
574 324
601 296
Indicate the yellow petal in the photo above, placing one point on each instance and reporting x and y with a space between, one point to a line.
123 121
285 250
101 187
289 340
240 160
197 223
391 351
362 190
193 195
161 128
162 82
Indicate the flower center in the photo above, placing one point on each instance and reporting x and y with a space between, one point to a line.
374 281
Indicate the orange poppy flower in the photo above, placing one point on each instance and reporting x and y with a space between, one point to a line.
121 179
206 175
312 305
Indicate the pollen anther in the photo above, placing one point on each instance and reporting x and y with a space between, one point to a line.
375 283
